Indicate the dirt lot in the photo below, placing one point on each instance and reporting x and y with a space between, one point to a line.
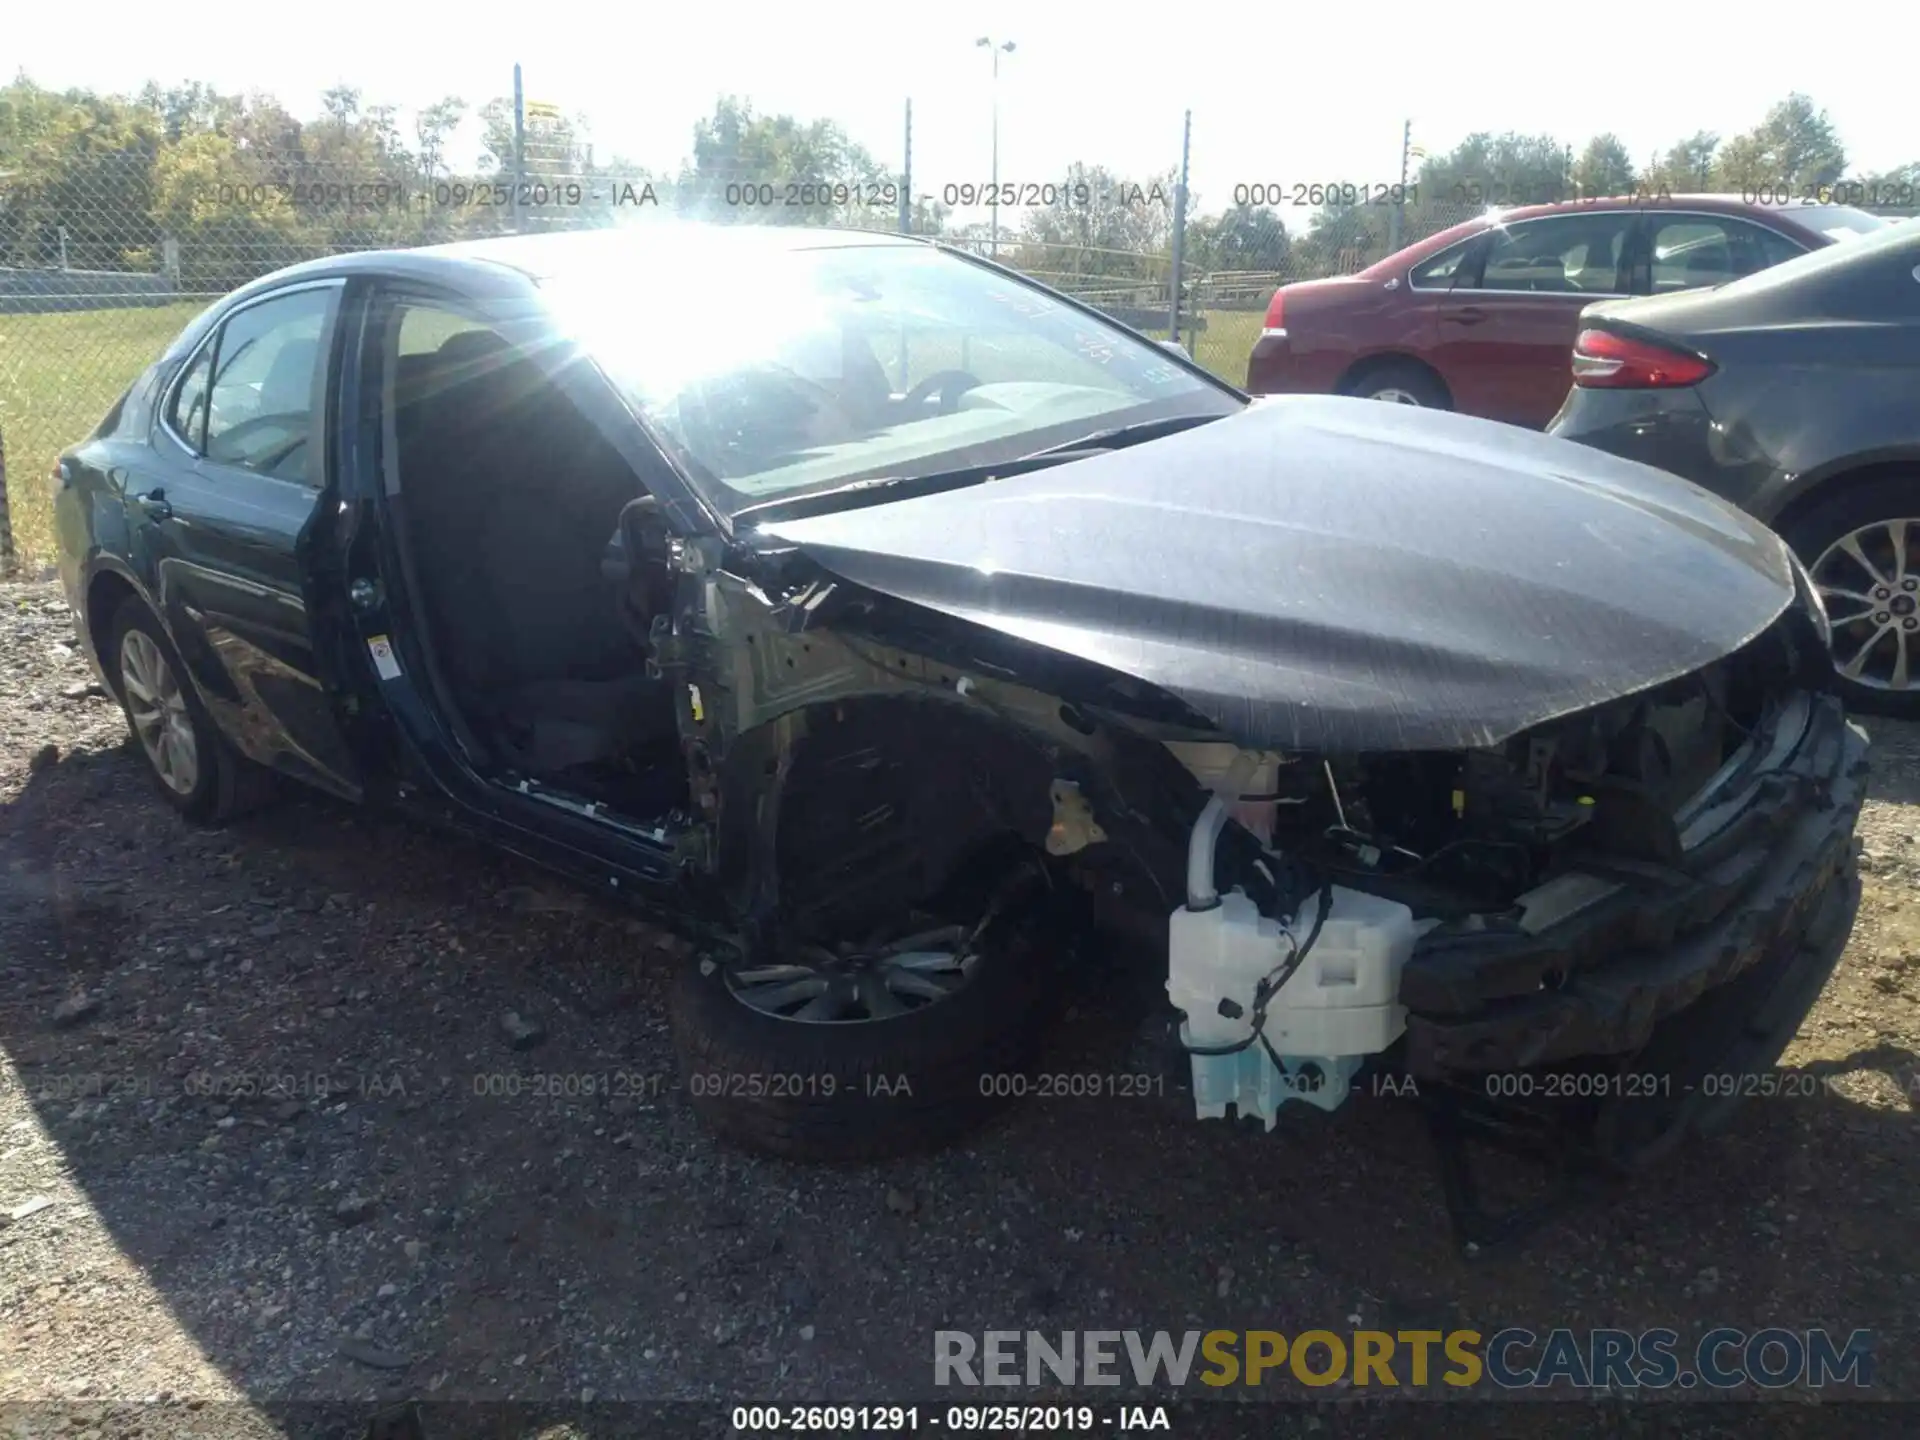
404 1217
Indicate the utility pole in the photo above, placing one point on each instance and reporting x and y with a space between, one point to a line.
1395 220
519 149
993 245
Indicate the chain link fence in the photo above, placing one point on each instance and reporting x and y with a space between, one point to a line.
107 254
103 264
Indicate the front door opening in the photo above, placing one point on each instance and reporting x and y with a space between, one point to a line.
512 498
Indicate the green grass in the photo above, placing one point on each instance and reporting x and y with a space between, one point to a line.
60 373
1223 347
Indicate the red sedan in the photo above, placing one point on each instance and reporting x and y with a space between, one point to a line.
1481 318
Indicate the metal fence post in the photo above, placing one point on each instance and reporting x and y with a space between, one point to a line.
1179 229
9 562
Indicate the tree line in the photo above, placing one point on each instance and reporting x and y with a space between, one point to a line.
228 187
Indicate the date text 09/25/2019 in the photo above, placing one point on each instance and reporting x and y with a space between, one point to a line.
952 1419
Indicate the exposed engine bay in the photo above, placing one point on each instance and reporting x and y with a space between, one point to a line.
1294 970
1453 835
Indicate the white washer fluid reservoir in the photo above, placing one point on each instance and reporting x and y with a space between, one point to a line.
1338 1007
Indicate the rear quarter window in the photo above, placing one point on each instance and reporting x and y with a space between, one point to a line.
110 422
128 415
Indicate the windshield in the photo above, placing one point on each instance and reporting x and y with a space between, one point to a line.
1841 222
812 368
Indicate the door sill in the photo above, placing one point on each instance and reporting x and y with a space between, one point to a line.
663 830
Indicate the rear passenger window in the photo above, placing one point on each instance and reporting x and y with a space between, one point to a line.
1691 253
1696 250
1769 247
260 405
187 416
1559 254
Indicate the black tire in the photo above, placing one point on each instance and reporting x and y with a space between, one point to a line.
1853 507
1406 377
872 1089
227 784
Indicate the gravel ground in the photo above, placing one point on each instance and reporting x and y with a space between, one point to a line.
412 1213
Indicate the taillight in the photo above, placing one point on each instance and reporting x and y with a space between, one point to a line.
1276 317
1603 360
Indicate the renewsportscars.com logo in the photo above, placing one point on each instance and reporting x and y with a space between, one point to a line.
1512 1358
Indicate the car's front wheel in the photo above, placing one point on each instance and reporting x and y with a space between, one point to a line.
197 771
1862 548
895 1041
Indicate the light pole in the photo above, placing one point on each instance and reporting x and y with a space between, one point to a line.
993 245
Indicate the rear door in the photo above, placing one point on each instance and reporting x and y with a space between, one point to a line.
1505 332
226 525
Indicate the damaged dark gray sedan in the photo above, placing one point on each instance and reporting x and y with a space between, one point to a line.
926 643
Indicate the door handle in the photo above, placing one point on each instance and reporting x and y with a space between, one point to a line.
154 502
1470 315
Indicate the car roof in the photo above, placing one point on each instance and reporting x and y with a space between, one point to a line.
510 263
540 257
1704 202
1724 204
544 256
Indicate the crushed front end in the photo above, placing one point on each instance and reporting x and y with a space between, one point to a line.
1625 909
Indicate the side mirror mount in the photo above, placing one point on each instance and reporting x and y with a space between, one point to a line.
1177 348
637 564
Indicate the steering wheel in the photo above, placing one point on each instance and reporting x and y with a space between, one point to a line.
950 385
762 404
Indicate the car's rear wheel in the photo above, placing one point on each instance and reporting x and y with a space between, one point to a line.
1400 383
892 1043
196 770
1862 548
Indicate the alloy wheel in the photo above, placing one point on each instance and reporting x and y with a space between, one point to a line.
1869 581
850 984
158 710
1394 395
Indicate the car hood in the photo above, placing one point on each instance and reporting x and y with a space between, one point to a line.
1320 573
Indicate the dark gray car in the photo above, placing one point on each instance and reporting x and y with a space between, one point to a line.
925 641
1794 393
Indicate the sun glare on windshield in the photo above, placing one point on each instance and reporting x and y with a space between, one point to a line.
847 361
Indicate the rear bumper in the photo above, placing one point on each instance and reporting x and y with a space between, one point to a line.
1668 429
1764 871
1271 369
1676 431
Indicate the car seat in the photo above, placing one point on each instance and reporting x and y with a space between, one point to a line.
512 494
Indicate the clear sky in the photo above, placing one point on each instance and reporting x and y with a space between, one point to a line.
1280 93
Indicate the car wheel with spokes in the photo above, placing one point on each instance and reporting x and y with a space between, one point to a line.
849 983
1862 550
892 1042
197 771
